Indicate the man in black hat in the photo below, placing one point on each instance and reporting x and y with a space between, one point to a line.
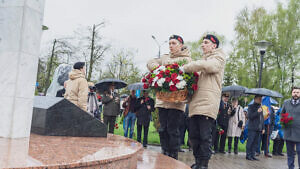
204 106
77 86
255 127
222 123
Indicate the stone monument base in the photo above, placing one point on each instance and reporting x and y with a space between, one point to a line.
52 152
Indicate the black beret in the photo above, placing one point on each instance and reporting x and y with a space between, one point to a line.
212 38
225 94
177 37
78 65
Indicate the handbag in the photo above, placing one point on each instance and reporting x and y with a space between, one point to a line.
240 123
274 134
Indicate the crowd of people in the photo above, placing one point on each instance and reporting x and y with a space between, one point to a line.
210 117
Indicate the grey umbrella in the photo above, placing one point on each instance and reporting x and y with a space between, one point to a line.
105 83
263 92
124 96
235 90
136 86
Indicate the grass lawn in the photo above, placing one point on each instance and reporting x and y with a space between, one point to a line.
153 137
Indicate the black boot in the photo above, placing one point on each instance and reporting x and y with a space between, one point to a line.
174 155
236 143
229 144
197 164
204 164
164 152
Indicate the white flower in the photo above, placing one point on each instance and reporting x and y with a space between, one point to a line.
156 71
180 77
155 79
181 85
181 68
171 83
161 81
163 68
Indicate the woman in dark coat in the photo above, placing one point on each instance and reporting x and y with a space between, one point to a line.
144 107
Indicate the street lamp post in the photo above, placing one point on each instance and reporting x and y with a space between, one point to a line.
159 45
262 46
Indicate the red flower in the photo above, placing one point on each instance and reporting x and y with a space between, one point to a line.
194 87
167 72
159 76
156 85
116 126
145 86
161 72
221 132
175 66
180 72
196 74
148 76
173 88
175 81
144 80
174 76
150 80
168 79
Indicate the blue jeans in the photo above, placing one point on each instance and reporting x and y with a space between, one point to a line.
129 119
290 147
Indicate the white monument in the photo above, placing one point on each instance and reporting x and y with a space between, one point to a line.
20 36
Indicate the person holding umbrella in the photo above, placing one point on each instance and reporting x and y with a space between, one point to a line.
111 109
255 127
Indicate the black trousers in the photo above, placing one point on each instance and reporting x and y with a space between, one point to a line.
169 129
236 143
201 136
110 122
252 143
139 133
215 142
183 128
278 146
221 140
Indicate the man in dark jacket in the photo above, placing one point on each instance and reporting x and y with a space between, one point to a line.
292 131
222 122
144 107
111 109
255 127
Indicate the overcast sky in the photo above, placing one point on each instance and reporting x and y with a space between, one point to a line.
132 22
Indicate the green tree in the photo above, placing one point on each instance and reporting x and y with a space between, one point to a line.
281 67
121 66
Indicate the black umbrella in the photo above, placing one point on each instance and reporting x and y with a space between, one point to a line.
105 83
235 90
263 92
136 86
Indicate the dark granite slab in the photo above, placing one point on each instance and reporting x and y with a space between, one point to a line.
54 116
